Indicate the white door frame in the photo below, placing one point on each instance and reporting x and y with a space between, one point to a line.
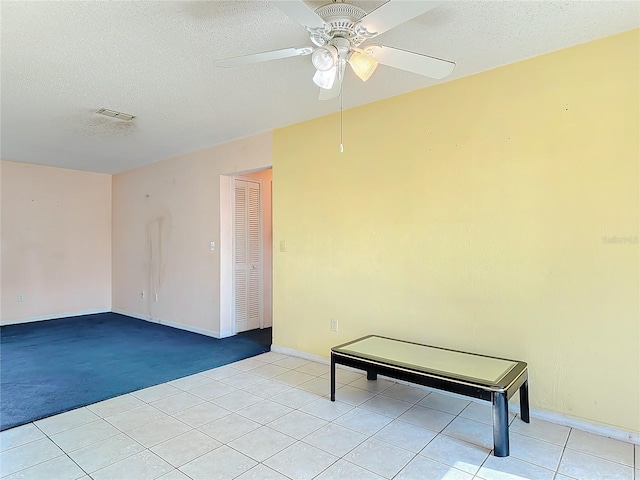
227 321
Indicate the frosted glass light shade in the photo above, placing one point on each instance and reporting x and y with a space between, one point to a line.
324 58
362 65
325 79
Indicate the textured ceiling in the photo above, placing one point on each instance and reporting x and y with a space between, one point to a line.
61 61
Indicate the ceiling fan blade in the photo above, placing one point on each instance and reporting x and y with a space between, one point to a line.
413 62
393 13
300 12
333 92
262 57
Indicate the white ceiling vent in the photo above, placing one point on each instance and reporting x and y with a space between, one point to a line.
114 114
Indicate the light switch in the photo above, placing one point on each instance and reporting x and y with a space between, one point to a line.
212 246
283 245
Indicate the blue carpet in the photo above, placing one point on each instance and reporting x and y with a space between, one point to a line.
54 366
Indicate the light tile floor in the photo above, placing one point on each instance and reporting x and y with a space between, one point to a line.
269 417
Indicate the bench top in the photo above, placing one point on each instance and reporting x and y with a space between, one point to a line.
477 369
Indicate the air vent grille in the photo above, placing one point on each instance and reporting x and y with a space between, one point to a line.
119 115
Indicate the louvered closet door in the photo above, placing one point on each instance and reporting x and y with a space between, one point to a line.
248 256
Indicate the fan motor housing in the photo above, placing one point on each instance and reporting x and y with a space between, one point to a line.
341 19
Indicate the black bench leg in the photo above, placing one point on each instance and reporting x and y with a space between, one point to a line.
372 375
333 378
500 424
524 401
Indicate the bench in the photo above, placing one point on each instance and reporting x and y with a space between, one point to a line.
479 376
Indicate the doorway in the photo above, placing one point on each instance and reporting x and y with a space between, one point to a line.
245 252
247 255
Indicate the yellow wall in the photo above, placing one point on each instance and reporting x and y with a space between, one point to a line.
56 242
473 215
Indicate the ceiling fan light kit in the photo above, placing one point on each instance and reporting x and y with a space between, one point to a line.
325 78
324 58
362 65
338 30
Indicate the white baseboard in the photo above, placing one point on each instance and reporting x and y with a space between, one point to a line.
299 354
130 314
53 317
188 328
208 333
202 331
549 416
587 426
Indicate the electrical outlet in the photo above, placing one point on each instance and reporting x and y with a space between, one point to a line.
334 325
283 245
21 297
142 294
212 246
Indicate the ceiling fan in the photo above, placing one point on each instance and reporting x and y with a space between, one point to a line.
339 32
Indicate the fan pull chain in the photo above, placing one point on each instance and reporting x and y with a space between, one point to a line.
341 144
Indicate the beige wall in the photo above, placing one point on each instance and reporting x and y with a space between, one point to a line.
478 215
164 217
56 242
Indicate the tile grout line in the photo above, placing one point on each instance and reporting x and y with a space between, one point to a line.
316 377
396 418
381 393
120 432
297 409
166 440
65 453
441 432
100 417
338 458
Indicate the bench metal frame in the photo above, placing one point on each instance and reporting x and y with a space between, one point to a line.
498 394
